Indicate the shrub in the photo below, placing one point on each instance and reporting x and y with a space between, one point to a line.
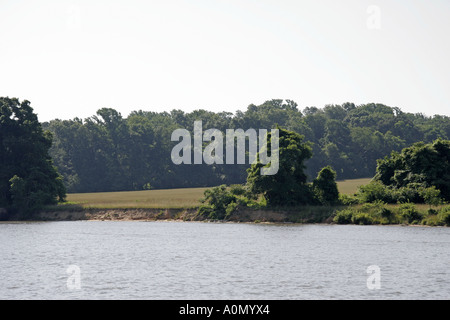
432 220
218 199
407 194
375 191
375 206
362 218
387 216
347 200
238 189
230 209
413 192
431 196
386 213
220 202
444 215
343 216
409 213
206 210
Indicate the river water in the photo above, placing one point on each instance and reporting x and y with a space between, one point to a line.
198 260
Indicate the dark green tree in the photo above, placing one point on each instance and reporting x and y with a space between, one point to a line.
419 166
289 185
28 179
325 187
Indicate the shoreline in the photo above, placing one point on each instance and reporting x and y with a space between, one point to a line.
242 215
285 223
247 215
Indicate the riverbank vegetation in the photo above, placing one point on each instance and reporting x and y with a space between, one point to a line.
419 174
114 163
381 213
164 198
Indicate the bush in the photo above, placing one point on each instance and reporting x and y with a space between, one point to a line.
386 216
444 215
386 213
377 213
220 202
432 220
230 209
431 196
347 200
413 192
409 213
407 194
218 199
238 189
206 211
375 191
343 216
362 218
373 206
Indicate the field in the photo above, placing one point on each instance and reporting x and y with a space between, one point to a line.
351 186
173 198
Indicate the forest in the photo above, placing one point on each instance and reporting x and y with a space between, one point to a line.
110 152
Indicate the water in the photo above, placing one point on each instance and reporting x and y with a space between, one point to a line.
190 260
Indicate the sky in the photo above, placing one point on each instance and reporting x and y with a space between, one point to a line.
70 58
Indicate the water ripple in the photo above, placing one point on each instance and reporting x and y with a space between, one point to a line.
173 260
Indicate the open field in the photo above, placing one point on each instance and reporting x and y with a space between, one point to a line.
170 198
351 186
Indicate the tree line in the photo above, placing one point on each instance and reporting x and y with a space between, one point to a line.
109 152
28 179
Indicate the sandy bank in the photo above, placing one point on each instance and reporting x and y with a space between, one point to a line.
242 215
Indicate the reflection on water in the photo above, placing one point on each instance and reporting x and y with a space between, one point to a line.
189 260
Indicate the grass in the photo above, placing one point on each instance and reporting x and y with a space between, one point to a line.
167 199
173 198
350 187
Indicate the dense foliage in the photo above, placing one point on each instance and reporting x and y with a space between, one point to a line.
417 174
379 212
288 186
421 165
109 152
325 187
28 179
221 201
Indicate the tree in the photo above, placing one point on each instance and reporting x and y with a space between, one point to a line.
325 187
28 179
419 166
288 186
432 196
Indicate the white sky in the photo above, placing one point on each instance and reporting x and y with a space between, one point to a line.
70 58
